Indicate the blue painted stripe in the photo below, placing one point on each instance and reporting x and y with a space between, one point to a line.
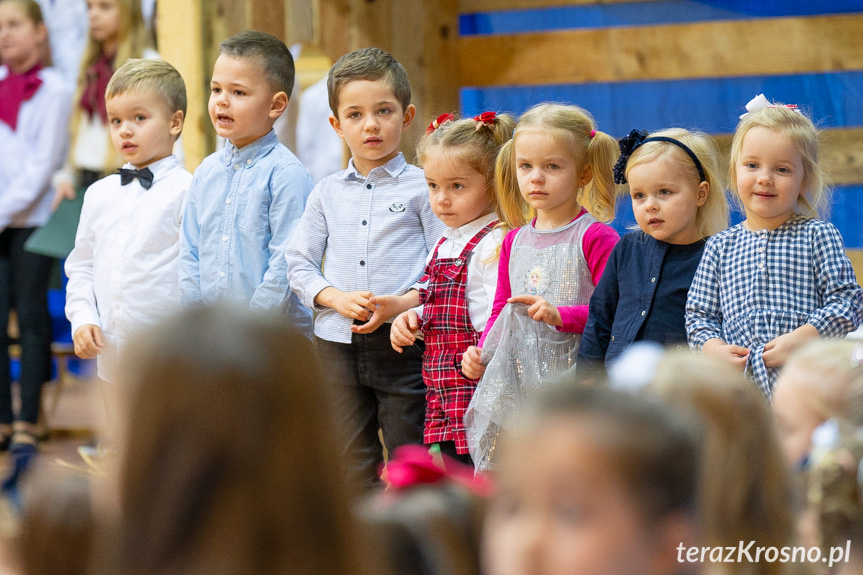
846 213
644 14
832 99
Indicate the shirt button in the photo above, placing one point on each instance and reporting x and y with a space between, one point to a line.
362 262
760 264
224 238
236 167
368 186
644 313
249 162
760 250
221 274
364 222
652 280
228 201
612 338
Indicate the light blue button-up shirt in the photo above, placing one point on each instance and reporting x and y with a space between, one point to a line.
243 207
375 232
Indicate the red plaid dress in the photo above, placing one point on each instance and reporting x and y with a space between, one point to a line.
448 333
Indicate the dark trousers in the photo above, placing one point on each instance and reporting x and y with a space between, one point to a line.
374 387
24 280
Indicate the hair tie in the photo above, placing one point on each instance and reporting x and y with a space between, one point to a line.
484 119
436 123
634 140
759 103
592 134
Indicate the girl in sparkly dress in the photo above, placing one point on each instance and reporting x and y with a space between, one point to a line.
554 179
781 277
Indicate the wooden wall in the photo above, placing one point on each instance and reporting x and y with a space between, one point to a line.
635 64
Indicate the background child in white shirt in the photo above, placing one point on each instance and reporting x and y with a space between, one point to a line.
123 272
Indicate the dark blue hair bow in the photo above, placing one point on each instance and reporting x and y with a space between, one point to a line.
628 144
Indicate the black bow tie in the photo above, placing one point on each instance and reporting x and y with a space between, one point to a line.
144 175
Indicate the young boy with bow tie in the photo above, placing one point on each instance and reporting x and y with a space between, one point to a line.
123 272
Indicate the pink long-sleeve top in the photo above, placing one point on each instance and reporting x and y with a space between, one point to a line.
597 243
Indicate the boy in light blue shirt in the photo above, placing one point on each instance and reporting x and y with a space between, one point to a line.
246 199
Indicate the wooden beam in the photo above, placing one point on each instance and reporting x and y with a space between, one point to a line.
181 43
334 28
470 6
268 16
841 155
300 20
699 50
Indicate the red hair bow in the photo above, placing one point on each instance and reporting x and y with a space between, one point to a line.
484 119
413 465
438 121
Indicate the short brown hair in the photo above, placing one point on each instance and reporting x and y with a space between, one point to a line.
149 75
368 64
267 52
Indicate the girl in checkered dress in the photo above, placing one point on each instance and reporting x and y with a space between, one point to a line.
554 179
461 272
781 277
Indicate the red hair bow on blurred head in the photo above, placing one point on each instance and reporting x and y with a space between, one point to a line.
438 121
484 119
413 465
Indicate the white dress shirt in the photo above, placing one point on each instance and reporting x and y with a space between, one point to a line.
481 266
123 272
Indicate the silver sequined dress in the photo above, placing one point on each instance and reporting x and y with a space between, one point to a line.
522 354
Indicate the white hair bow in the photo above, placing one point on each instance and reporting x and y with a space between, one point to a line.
759 102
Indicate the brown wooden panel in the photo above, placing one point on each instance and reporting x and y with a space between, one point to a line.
841 154
856 257
180 43
700 50
268 16
468 6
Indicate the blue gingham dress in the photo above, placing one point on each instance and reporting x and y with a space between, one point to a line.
753 286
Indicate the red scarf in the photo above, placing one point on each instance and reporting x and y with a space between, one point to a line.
16 89
93 95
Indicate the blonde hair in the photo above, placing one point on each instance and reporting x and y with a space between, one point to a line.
803 135
833 494
574 128
461 140
152 76
835 388
745 489
133 39
34 13
712 216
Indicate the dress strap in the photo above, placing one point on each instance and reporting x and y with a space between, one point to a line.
465 253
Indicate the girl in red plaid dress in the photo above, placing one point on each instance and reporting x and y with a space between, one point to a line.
461 273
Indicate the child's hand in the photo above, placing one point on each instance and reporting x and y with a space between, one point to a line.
64 191
539 309
385 307
403 330
777 351
350 304
88 341
734 354
471 363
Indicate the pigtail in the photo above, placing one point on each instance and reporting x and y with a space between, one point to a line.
514 211
600 195
834 494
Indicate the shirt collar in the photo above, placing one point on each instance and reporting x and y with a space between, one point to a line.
470 229
159 168
394 168
251 153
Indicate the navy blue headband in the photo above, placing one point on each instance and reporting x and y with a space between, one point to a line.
634 139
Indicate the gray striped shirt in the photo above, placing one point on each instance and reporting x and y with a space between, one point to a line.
374 232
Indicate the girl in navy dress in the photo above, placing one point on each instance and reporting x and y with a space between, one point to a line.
781 277
678 200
